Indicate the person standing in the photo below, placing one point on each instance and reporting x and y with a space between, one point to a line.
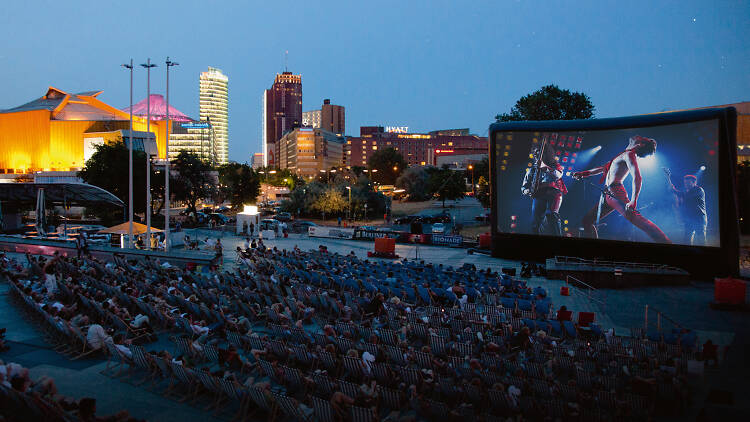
692 202
548 195
252 228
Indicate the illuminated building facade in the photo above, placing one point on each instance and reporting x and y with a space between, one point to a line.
282 111
307 151
330 117
51 132
256 161
416 148
214 109
186 134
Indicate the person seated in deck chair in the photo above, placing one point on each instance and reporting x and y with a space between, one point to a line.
96 336
120 343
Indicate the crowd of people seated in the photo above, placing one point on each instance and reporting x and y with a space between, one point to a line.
314 335
25 399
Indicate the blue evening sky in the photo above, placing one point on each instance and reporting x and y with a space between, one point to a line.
424 64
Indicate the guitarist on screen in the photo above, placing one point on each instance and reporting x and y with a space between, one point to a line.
615 197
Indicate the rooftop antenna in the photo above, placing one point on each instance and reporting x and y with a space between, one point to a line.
286 61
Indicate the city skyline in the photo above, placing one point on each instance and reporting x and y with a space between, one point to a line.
439 65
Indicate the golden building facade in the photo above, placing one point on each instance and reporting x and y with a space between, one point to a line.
49 133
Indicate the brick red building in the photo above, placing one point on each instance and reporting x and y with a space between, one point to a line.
416 148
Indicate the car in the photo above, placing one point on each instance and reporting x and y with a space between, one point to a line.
485 216
269 224
441 218
302 226
219 219
438 228
283 216
223 209
201 217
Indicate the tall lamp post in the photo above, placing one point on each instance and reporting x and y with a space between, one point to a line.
471 168
130 160
349 211
166 165
148 65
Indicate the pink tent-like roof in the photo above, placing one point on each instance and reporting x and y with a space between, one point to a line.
158 110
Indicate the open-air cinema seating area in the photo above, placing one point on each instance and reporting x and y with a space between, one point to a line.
293 335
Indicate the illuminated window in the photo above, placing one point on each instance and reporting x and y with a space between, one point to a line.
450 144
375 147
423 163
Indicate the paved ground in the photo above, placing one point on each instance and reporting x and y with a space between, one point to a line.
687 305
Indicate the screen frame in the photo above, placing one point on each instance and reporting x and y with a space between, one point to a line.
700 261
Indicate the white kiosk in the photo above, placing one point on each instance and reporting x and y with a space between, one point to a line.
248 215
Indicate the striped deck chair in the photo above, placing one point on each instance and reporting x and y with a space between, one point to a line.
540 388
186 379
348 388
381 372
353 367
410 375
606 400
267 369
210 352
499 400
115 355
323 410
474 394
259 398
370 347
166 374
463 349
235 392
362 414
424 360
420 330
329 362
391 399
293 377
344 344
211 385
396 355
290 407
303 356
323 384
235 340
256 343
535 370
145 362
437 344
583 380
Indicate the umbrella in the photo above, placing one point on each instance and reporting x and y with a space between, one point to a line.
123 229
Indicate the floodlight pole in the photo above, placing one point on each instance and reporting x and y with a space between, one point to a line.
130 161
166 164
148 65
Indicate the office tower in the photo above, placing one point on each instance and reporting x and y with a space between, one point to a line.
308 152
282 111
214 109
329 117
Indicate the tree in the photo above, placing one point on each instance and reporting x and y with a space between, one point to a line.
446 184
483 192
414 181
194 181
239 183
550 103
331 202
385 166
302 198
108 169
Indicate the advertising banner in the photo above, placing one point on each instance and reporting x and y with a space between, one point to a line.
330 232
443 239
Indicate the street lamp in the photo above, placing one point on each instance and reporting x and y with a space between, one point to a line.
130 160
148 65
166 164
349 211
473 192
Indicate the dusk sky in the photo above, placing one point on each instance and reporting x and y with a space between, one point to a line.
423 64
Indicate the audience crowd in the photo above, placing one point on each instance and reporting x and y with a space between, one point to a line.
329 337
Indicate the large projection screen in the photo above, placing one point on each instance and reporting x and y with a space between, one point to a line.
655 184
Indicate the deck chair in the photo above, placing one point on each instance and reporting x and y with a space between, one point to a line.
322 410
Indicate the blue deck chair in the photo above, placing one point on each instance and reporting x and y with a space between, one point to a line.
570 329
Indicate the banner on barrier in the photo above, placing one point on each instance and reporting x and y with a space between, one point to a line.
331 232
373 234
442 239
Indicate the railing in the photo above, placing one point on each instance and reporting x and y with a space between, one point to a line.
569 260
591 293
659 316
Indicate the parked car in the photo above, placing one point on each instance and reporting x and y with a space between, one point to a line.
223 209
302 226
219 219
438 228
441 218
201 217
283 216
269 224
485 216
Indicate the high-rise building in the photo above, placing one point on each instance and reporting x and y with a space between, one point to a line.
256 161
282 111
311 118
307 151
214 109
330 117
